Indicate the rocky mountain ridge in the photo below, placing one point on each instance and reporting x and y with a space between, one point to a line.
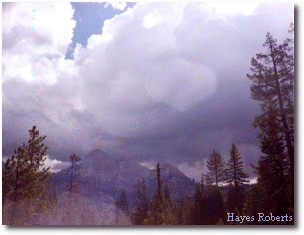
104 176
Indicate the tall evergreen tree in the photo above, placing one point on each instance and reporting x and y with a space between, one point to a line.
234 172
159 183
208 204
208 181
155 214
236 177
255 204
24 176
216 207
142 203
123 202
167 194
216 167
200 207
160 211
273 87
184 216
74 172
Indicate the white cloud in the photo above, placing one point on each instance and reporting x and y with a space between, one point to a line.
35 39
151 19
149 165
194 171
54 164
116 5
229 8
131 67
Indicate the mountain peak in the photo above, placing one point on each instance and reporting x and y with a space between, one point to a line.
99 163
96 152
169 168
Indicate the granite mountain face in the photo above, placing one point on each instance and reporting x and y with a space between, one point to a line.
104 176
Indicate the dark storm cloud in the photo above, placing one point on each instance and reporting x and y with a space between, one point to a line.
216 113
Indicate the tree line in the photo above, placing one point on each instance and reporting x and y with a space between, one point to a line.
206 206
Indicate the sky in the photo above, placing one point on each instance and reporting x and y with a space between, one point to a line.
150 81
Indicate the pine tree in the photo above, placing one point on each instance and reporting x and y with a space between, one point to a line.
236 177
216 165
122 207
216 207
142 203
159 183
273 87
234 171
208 181
160 211
255 204
167 194
155 214
74 172
24 176
184 213
123 202
208 204
200 207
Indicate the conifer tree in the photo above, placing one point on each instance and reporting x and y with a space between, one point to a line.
74 172
122 207
142 203
215 165
159 184
255 204
155 214
273 88
123 202
216 207
24 176
236 177
167 194
184 213
160 211
234 172
208 181
200 207
208 205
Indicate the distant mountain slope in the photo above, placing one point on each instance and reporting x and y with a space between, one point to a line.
99 164
180 186
115 173
105 176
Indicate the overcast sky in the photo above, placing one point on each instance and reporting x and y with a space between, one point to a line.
148 81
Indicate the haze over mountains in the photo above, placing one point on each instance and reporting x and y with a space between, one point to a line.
104 176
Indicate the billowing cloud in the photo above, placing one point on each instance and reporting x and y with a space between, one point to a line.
36 37
163 82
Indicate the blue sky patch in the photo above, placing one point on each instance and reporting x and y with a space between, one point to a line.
90 17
